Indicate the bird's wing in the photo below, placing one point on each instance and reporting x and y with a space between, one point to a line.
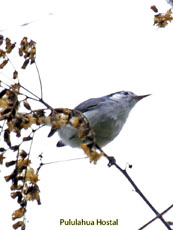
90 104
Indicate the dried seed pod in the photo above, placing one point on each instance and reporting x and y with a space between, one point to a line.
27 105
1 39
19 224
10 163
7 137
15 147
23 154
154 8
3 63
15 74
11 176
26 62
33 193
28 138
1 158
31 176
2 53
3 92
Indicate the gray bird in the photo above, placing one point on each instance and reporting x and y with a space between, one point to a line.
106 115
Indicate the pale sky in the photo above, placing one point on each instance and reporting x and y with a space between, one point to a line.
90 49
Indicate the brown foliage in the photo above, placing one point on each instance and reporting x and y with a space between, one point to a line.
23 178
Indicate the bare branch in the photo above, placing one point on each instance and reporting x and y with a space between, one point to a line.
155 218
39 77
124 172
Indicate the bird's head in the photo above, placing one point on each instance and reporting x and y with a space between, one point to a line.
127 98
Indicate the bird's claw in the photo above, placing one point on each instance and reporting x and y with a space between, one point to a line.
112 161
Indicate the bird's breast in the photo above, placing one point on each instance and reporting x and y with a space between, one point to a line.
106 127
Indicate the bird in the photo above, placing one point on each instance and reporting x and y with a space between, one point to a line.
106 115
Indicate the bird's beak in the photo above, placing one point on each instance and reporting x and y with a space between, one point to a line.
138 98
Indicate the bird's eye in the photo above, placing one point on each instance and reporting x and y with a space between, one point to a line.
126 93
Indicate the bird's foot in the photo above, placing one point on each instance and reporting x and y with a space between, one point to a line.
112 161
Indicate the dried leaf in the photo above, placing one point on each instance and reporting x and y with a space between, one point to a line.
15 74
23 154
19 224
8 42
10 47
20 52
26 62
3 64
19 196
3 103
16 187
15 147
1 158
16 86
5 111
91 153
2 93
1 39
26 55
24 41
23 163
18 123
33 193
16 194
28 121
161 20
10 163
75 121
32 43
7 137
32 61
31 176
32 54
11 176
28 138
10 125
2 53
2 117
154 8
18 213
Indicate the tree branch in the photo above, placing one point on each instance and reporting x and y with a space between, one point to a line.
155 218
124 172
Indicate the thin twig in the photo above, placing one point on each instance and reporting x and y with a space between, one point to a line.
39 99
124 172
39 77
155 218
48 163
27 90
73 159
